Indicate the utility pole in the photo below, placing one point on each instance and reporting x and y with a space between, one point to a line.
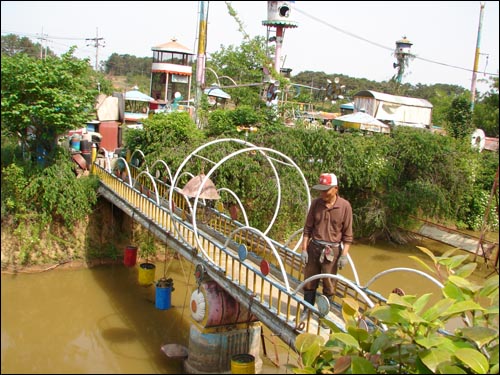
476 60
200 61
96 44
43 38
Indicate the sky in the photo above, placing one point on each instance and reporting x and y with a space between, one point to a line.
353 38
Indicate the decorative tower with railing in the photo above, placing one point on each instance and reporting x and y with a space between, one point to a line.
171 72
278 18
402 53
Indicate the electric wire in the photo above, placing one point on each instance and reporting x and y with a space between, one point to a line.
353 35
380 45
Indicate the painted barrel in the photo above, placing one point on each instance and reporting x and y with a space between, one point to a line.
211 306
243 364
163 294
146 275
75 142
210 351
130 256
86 149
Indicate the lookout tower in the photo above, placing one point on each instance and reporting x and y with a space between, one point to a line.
171 71
403 55
278 18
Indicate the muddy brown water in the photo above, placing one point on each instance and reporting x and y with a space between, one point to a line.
100 320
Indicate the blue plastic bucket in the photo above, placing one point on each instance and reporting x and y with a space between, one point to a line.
163 294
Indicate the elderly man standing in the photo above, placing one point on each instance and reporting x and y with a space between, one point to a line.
327 236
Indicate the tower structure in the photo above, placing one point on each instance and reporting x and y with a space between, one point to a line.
278 18
403 55
171 71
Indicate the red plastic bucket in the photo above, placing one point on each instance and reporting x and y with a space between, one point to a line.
130 256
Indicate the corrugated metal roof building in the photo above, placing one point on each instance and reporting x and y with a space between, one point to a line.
394 110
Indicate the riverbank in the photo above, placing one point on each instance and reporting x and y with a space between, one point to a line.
99 240
85 250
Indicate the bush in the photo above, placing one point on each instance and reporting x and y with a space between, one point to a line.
414 340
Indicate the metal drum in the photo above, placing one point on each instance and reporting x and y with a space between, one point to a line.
211 306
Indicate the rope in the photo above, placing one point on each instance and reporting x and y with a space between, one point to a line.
148 240
133 213
165 262
185 296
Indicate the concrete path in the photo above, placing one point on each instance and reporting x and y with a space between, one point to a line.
456 239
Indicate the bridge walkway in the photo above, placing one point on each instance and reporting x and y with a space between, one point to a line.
261 274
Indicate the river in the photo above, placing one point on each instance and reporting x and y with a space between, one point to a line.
100 320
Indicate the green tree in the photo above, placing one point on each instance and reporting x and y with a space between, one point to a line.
459 118
128 65
42 204
164 133
13 44
244 64
42 99
486 110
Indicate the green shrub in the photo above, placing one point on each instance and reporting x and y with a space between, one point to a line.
415 340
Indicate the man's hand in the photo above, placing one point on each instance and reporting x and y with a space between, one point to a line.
343 261
305 257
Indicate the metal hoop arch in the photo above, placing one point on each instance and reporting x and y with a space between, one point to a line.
143 157
268 241
240 205
159 161
250 149
154 184
391 270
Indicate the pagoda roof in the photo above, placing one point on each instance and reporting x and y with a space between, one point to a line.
173 46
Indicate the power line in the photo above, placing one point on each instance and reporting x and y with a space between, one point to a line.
50 39
380 45
36 35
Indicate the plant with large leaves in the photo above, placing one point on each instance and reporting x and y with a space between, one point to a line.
414 339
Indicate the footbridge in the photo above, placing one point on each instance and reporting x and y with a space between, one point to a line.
185 210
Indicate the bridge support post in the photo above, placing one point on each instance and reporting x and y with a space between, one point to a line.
210 352
221 329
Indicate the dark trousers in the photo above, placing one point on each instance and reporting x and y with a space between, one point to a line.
314 267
